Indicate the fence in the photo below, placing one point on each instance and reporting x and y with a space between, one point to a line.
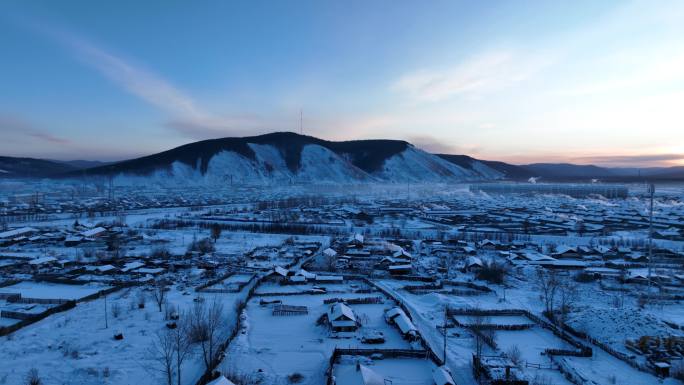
583 350
5 330
355 301
386 353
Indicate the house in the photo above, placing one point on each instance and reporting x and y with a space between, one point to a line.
72 240
370 377
15 233
329 252
442 376
329 279
94 233
400 269
131 266
488 244
221 380
564 251
341 318
402 254
356 241
308 276
669 233
43 262
397 316
473 264
153 271
281 271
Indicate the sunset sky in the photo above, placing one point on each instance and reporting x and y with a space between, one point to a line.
597 82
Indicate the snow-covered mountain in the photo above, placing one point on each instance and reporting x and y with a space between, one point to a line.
290 157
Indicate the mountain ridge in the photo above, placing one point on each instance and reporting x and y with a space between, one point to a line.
287 155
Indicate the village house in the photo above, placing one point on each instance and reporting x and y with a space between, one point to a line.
341 318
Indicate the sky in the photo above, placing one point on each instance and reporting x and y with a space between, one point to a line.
588 82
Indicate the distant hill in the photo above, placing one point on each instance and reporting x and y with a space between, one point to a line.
11 167
509 171
290 157
82 164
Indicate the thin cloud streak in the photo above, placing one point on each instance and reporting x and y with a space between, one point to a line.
481 74
631 159
186 116
12 126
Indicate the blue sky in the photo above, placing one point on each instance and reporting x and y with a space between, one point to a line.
523 81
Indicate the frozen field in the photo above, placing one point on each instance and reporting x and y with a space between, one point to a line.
46 290
282 345
75 347
400 371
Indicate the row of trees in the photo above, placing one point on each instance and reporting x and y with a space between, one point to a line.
558 293
198 330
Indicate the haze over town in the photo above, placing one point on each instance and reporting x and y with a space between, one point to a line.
341 193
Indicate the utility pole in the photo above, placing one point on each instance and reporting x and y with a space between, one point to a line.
106 320
446 314
301 130
651 191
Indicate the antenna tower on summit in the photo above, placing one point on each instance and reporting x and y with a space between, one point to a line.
301 132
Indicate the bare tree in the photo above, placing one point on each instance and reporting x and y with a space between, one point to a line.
567 296
32 377
182 343
215 231
547 282
162 352
205 329
480 333
159 294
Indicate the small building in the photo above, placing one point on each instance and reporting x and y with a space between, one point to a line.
341 318
442 376
397 316
473 264
400 269
94 233
356 241
221 380
73 240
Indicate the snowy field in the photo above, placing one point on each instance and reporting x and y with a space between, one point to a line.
46 290
75 347
279 346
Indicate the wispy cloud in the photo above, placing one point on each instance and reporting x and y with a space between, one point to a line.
473 77
632 160
185 114
14 128
440 146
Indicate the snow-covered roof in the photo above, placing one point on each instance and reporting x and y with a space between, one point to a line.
329 278
330 252
404 323
403 254
42 260
221 380
393 312
306 274
441 376
370 377
400 267
132 266
281 271
536 256
340 311
474 261
94 232
17 232
562 249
